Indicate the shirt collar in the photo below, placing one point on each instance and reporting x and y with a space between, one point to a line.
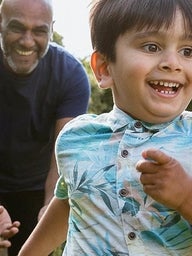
119 120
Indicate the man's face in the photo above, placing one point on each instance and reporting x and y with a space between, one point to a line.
26 28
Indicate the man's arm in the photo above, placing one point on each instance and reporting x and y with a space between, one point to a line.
50 231
52 174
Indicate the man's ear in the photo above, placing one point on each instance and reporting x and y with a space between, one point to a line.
99 66
51 31
0 23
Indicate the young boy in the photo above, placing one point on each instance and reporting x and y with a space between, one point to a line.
117 203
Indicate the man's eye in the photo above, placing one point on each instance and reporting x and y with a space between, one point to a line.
16 29
187 52
41 32
151 48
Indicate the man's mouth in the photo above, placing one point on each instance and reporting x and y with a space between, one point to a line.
24 53
165 87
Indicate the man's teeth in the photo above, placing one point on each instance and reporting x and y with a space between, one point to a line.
24 53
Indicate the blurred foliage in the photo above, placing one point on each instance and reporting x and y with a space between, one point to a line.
58 251
190 106
57 38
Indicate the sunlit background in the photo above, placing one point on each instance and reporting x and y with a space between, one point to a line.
71 22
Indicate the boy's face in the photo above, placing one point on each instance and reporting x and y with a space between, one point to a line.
152 74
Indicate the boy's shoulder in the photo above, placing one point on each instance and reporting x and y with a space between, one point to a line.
93 123
184 123
186 117
86 122
81 130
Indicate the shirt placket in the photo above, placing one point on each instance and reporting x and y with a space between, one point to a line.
129 150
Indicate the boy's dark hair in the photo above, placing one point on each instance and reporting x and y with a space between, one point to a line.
111 18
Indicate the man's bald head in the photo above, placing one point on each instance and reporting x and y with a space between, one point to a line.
7 5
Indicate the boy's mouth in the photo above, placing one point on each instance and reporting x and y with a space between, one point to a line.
165 87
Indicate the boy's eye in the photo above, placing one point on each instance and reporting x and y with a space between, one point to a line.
187 52
151 48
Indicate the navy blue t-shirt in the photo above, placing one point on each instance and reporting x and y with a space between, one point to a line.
29 107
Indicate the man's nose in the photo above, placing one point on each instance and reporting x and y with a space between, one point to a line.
27 39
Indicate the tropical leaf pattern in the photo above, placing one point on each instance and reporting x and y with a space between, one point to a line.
110 214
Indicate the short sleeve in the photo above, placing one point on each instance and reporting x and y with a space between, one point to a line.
61 190
74 89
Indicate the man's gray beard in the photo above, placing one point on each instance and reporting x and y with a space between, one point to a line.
12 65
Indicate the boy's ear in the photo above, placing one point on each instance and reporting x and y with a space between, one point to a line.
99 66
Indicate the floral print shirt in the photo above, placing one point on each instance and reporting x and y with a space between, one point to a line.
110 213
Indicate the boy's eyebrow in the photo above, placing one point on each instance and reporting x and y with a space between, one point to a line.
157 33
141 34
187 37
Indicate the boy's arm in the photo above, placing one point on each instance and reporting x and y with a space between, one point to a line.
166 181
50 232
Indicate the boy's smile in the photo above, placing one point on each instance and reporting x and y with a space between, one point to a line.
152 74
165 87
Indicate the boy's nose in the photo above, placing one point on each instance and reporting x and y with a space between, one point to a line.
170 63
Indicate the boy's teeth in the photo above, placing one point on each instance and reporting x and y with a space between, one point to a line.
161 83
166 84
165 92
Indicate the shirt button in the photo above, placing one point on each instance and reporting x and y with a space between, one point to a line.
138 124
131 235
124 153
123 192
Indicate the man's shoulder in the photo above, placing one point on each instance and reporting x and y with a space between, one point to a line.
56 50
61 60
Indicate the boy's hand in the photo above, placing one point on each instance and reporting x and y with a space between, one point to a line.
165 180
